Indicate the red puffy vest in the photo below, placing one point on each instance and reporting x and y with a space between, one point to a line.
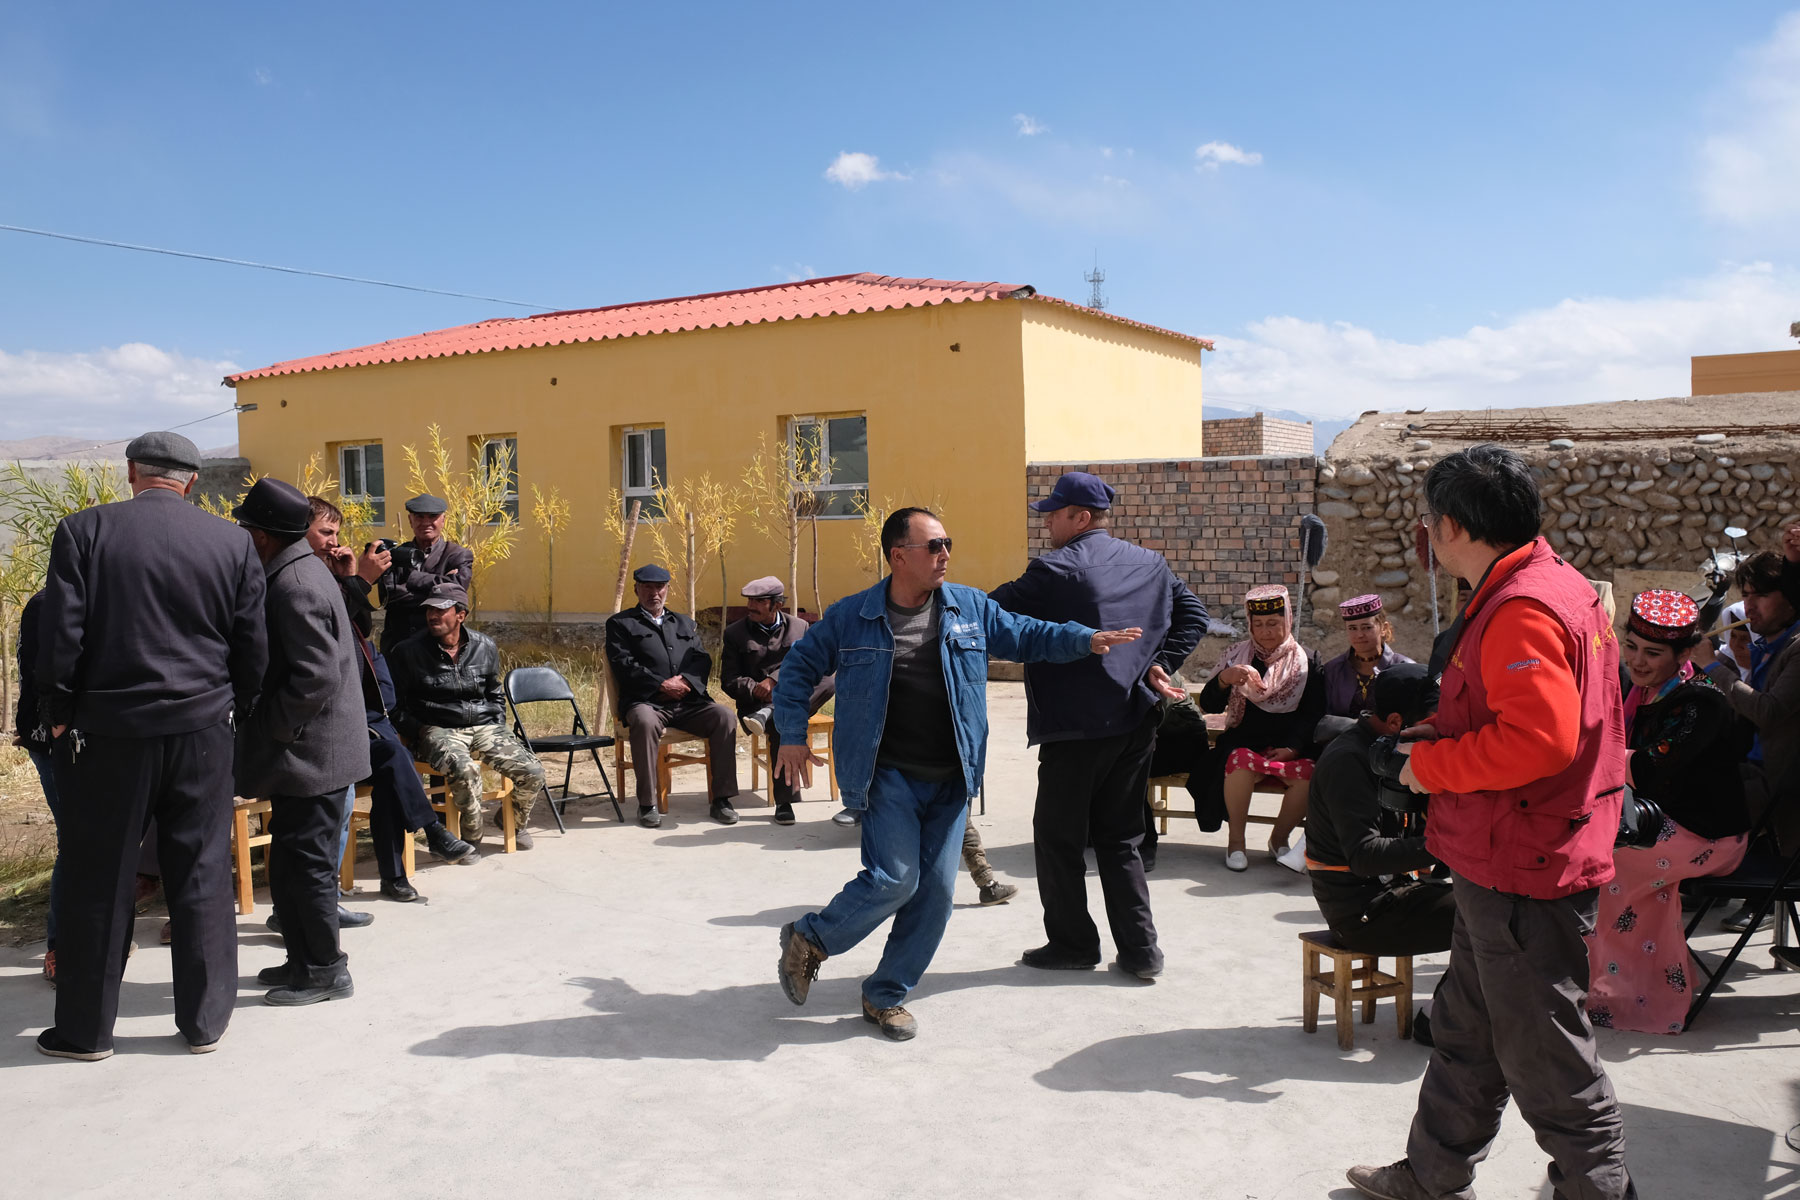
1554 836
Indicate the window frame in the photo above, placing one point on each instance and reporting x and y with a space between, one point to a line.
645 492
828 485
377 502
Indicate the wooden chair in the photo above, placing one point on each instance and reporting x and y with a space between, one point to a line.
1354 976
818 723
667 756
243 841
437 791
1161 785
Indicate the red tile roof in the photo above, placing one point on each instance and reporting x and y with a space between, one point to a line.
833 296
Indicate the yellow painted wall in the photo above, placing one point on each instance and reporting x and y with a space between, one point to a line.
1769 371
944 426
1097 390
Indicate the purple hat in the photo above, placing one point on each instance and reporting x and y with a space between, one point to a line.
1266 599
1360 606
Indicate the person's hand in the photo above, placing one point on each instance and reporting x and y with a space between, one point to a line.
1410 780
1418 733
674 687
1159 683
374 563
763 690
1282 755
341 560
1232 676
57 731
1790 542
1106 639
794 764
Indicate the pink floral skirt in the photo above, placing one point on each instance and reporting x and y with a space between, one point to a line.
1638 957
1243 759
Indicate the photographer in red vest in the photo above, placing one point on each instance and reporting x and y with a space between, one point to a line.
1525 778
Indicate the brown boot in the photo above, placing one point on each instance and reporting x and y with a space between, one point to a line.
1393 1182
896 1023
799 964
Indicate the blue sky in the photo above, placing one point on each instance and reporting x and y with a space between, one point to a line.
1367 207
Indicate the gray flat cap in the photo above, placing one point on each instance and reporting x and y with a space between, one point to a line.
426 505
163 449
768 585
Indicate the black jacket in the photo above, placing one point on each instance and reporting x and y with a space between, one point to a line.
643 654
1346 826
403 594
1685 751
26 725
431 688
1263 730
152 620
1104 583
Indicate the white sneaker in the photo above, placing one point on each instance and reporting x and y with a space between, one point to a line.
1237 860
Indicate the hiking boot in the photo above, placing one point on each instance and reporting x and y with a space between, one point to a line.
1393 1182
449 849
799 964
784 814
897 1025
997 892
723 813
49 1044
648 816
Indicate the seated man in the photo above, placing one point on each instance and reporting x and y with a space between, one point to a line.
448 701
750 663
661 671
1357 863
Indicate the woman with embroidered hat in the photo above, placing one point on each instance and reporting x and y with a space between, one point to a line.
1685 748
1347 677
1272 693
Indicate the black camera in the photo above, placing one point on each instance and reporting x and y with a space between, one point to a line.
1640 822
1386 760
406 558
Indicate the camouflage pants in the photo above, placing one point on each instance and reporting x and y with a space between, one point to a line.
974 857
457 754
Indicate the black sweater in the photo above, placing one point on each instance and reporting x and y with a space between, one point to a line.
1685 751
1346 826
1262 730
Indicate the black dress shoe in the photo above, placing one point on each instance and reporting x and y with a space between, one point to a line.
292 996
723 813
784 814
1055 958
401 890
648 816
279 976
349 918
447 848
1145 971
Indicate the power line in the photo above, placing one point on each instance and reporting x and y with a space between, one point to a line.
239 262
171 429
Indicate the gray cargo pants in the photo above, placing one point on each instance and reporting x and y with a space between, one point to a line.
1510 1019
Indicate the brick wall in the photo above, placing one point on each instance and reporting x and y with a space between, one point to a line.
1223 523
1230 437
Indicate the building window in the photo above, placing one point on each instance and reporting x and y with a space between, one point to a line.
646 468
835 452
361 477
496 452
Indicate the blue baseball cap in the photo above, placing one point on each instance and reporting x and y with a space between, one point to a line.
1078 488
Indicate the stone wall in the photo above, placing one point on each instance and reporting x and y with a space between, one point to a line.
1231 437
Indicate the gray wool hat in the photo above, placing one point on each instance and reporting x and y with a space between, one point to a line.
163 449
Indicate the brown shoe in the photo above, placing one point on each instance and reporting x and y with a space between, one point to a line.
799 964
897 1025
1393 1182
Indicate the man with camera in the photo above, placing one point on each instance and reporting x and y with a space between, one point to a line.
417 567
1526 779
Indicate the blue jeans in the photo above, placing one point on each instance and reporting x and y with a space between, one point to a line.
911 845
41 761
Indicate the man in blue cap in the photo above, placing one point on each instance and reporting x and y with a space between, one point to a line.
661 674
1094 721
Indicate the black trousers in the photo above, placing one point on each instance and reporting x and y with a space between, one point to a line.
303 883
397 801
110 790
786 794
1091 791
1416 919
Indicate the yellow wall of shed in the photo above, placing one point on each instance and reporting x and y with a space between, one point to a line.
1764 371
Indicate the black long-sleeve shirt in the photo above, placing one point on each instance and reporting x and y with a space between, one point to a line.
1261 729
1346 826
1685 751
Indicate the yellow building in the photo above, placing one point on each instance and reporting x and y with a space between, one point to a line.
922 391
1762 371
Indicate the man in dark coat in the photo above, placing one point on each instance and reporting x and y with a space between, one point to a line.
750 663
1094 722
151 638
419 566
305 746
661 673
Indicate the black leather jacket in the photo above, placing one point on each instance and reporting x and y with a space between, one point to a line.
431 688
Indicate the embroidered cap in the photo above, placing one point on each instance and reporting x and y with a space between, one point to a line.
1661 615
1266 599
1360 606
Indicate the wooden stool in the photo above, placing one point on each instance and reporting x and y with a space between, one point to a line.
1159 787
1353 976
818 723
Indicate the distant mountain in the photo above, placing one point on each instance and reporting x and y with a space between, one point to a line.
52 448
1323 431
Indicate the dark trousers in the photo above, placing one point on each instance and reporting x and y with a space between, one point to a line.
303 883
1091 791
109 791
786 794
692 714
397 801
1509 1021
1419 918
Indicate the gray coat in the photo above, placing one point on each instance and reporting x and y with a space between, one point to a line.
309 735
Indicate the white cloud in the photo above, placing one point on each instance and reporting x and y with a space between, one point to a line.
262 77
1029 127
796 272
1577 351
114 392
1209 156
856 170
1750 170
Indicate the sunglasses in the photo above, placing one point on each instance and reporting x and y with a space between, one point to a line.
934 546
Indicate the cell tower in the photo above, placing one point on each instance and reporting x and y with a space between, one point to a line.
1095 277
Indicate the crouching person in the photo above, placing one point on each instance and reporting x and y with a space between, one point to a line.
448 701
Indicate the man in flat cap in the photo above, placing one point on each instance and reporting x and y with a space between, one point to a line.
1094 721
449 703
419 566
660 672
305 746
749 665
151 638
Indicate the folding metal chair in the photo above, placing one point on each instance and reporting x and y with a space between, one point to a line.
545 685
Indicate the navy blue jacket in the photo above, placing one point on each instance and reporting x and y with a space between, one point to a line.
1101 581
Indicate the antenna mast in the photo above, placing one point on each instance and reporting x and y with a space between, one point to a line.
1094 278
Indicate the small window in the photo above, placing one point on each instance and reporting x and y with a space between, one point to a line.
646 467
361 477
835 452
493 451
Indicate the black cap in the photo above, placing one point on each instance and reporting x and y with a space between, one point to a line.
447 595
426 505
651 574
1077 487
274 507
1407 689
162 449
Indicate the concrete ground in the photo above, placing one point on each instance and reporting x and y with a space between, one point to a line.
600 1016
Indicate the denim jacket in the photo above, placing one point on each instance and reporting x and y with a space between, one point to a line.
854 640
